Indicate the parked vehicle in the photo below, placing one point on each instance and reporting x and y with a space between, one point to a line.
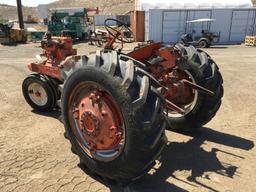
10 35
115 106
205 39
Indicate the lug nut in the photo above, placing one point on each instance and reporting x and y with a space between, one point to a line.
104 113
112 128
92 95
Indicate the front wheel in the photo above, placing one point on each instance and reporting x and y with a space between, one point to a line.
38 93
201 108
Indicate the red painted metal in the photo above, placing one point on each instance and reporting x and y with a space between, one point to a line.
96 10
138 25
99 119
145 52
45 68
56 50
169 56
161 62
110 43
178 92
164 69
197 87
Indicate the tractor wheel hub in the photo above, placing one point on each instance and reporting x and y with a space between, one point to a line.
37 94
89 123
99 121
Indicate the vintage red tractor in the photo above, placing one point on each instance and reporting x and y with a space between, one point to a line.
116 106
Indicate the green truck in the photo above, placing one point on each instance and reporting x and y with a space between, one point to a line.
69 22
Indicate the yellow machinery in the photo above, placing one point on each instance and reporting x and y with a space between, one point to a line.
10 35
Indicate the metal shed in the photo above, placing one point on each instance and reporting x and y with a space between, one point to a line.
166 20
167 25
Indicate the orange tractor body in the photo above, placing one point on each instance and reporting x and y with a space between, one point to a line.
55 50
115 106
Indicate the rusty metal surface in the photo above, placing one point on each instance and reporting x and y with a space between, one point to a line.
56 50
45 69
145 52
98 119
138 25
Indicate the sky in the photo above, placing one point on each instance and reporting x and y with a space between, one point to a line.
31 3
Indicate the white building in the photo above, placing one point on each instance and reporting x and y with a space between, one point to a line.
166 20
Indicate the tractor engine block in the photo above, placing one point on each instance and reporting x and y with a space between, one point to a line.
55 50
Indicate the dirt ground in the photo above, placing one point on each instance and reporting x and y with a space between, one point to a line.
35 156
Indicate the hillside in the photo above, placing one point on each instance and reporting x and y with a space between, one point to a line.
8 12
105 6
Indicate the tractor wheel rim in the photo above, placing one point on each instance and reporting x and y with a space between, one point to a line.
96 121
190 106
37 94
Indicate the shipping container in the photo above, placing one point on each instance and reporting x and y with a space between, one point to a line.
167 25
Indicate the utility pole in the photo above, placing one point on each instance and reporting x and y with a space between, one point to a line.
20 14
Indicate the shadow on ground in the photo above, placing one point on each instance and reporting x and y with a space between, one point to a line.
184 156
56 114
190 156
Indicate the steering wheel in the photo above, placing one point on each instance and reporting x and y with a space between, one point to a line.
122 32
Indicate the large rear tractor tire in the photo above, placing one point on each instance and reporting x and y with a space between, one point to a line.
112 118
204 72
39 93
